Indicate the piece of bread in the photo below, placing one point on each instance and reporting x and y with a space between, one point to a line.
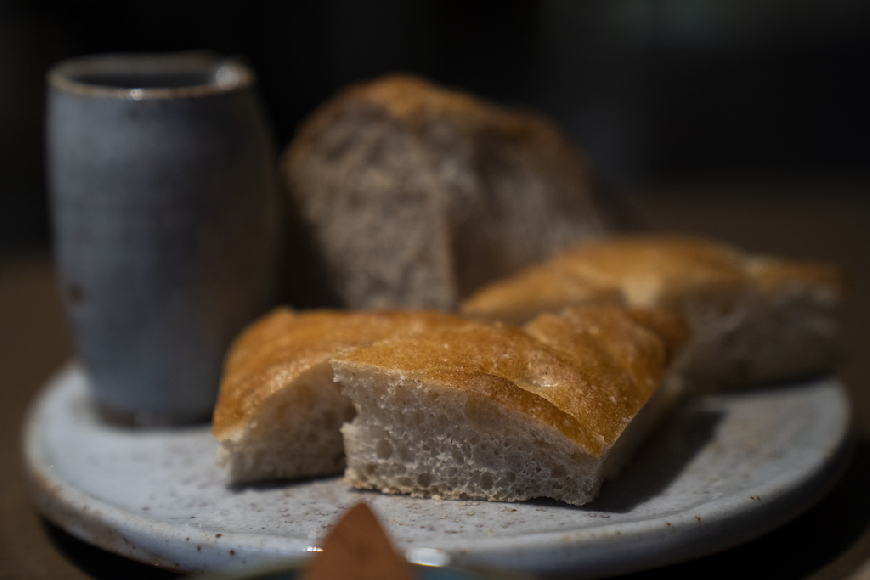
754 318
357 547
496 412
279 412
414 195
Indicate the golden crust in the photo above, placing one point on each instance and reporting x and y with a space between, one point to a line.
771 273
641 340
559 371
673 330
651 271
541 289
657 270
275 350
419 104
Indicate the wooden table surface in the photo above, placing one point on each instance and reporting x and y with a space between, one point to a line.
824 219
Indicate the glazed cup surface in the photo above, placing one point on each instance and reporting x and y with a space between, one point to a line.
161 175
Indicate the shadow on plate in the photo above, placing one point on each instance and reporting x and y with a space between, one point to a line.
673 446
829 540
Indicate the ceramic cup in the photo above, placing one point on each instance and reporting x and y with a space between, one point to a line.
161 174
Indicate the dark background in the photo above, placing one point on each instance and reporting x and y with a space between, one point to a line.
742 119
653 90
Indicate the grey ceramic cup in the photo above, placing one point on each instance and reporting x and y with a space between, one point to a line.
161 174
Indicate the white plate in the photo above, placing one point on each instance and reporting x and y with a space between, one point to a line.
724 470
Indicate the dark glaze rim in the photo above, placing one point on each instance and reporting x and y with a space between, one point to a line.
213 75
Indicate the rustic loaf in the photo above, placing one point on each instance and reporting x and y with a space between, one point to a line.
279 412
754 318
496 412
414 195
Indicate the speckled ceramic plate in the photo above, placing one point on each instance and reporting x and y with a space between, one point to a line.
725 469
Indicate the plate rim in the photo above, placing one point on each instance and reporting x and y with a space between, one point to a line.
111 528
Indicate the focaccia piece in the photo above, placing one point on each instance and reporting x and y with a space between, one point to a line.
279 413
414 194
496 412
754 318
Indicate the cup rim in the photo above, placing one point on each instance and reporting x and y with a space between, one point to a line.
224 74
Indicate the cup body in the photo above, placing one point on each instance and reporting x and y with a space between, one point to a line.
161 175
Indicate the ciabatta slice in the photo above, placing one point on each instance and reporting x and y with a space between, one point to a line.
496 412
279 413
754 318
